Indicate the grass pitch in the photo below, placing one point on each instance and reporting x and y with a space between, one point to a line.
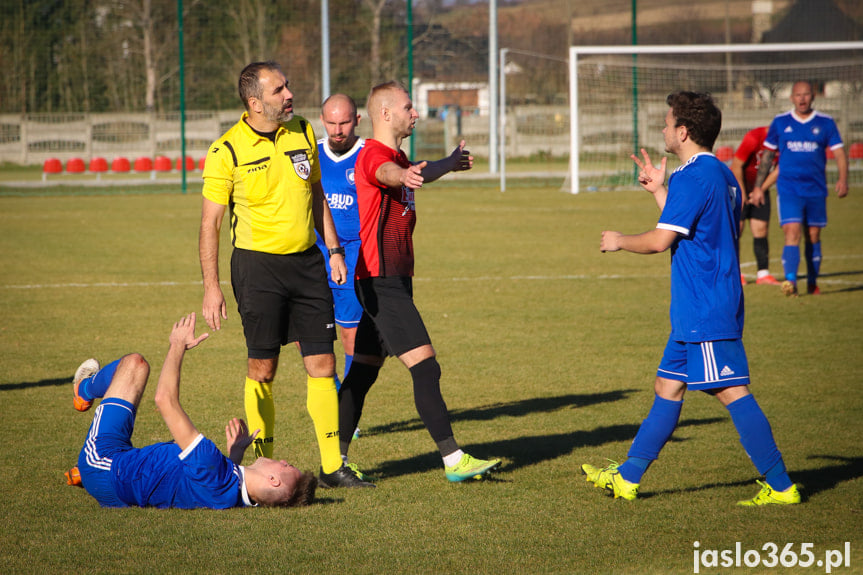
548 350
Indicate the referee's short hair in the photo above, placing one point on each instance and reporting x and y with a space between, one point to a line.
249 85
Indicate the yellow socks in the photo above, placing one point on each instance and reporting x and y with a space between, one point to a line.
323 405
261 414
322 402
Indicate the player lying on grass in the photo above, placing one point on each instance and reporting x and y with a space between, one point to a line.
189 472
699 223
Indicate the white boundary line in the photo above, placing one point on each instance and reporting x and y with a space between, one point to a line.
566 277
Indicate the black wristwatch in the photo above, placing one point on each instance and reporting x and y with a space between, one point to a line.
337 250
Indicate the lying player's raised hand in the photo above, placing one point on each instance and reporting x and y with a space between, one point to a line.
183 333
238 439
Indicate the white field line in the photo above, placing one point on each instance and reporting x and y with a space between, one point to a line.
827 280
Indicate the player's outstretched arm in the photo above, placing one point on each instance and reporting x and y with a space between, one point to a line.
392 175
167 397
458 161
652 178
238 439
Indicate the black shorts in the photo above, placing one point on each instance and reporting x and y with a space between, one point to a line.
761 212
282 298
391 323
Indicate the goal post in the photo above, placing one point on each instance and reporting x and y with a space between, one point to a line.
617 97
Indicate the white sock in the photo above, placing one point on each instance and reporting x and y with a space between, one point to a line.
453 458
762 273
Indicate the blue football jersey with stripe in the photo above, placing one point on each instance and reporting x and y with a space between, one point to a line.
802 145
703 206
160 475
337 179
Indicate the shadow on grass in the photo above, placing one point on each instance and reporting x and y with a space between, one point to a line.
518 408
821 479
810 481
838 274
526 451
29 384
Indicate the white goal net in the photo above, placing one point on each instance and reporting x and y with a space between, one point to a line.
617 99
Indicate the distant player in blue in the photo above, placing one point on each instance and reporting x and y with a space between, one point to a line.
700 223
802 137
337 154
189 472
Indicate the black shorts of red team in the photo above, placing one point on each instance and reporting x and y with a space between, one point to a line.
762 212
391 323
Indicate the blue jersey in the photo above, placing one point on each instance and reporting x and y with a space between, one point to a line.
703 207
160 475
802 145
337 179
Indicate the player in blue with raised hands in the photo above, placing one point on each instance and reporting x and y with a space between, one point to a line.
189 472
802 137
699 223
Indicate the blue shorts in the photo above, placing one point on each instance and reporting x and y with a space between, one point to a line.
347 306
806 210
110 435
705 365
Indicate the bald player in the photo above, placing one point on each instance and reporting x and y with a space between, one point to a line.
391 324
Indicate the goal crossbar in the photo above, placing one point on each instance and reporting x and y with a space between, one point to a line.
576 51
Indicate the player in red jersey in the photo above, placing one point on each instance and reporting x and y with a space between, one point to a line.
744 165
391 324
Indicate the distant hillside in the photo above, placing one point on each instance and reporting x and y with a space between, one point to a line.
614 17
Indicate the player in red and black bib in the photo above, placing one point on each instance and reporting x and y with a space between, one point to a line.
391 324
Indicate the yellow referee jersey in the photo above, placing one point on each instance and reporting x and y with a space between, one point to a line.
267 186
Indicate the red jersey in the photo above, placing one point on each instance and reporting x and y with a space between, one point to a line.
387 216
749 152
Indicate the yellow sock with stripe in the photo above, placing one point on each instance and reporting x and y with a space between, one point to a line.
261 414
322 402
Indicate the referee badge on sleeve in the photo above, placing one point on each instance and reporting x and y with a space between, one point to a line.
300 159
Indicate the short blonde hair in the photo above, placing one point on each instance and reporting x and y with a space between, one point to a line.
302 494
378 97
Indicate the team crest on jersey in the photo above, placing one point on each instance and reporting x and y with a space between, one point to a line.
408 199
300 159
349 174
816 130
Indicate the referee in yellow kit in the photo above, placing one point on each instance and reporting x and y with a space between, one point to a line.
266 169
